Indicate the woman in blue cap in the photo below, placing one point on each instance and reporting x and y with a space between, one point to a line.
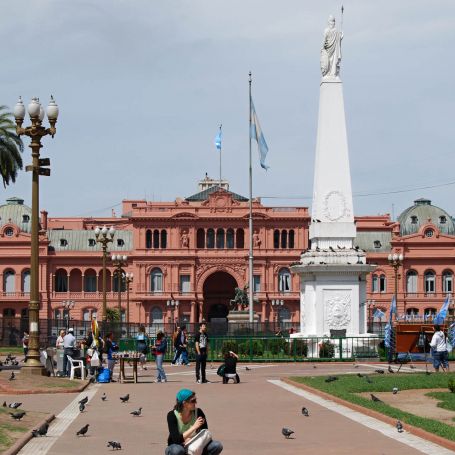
184 421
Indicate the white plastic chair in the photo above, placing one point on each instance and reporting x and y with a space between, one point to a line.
76 364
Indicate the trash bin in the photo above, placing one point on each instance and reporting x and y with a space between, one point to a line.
59 358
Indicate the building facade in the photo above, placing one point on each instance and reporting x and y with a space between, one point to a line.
188 256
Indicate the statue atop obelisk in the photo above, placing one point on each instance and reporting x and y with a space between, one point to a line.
332 270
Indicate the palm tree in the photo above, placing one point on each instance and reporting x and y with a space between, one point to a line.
11 147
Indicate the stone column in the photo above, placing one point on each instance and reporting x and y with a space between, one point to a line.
264 310
201 310
193 313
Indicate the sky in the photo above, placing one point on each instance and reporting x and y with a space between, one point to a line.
142 86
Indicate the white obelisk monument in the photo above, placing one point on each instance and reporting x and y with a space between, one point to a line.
332 270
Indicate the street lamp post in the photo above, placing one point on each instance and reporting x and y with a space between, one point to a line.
172 304
36 132
276 304
68 305
396 261
128 279
101 235
119 261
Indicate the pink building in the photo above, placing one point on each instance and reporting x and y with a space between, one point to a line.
188 255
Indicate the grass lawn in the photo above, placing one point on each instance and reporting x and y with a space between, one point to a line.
12 350
347 387
446 400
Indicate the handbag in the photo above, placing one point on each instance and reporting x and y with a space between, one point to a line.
95 361
197 444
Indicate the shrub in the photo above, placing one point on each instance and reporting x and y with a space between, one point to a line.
326 350
299 347
229 345
451 385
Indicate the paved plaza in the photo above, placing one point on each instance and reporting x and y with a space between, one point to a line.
247 417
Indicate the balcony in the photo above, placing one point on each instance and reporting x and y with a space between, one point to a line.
15 295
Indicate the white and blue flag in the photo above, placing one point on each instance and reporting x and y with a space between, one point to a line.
439 319
378 314
218 140
258 136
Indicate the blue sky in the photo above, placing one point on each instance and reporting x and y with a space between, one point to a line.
142 86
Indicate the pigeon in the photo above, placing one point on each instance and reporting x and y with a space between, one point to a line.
114 444
360 375
82 407
412 367
314 366
331 249
428 373
379 371
125 399
84 401
286 432
356 366
375 398
136 413
83 430
305 412
17 415
4 404
14 405
395 390
12 377
247 369
41 431
103 397
399 426
331 379
390 370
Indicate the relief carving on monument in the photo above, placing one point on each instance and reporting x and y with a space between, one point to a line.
338 309
335 206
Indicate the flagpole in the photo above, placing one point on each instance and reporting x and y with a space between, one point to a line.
220 153
250 220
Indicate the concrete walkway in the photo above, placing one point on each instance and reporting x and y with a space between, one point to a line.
247 417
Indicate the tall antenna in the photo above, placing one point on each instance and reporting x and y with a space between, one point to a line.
342 14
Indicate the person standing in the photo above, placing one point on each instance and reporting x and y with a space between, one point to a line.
181 345
110 346
439 345
69 343
201 342
59 341
160 348
142 346
176 360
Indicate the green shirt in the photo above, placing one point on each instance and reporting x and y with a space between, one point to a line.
184 426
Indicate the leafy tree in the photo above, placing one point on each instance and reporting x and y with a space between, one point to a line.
112 315
11 147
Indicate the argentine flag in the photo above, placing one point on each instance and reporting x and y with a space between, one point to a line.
439 319
256 134
218 140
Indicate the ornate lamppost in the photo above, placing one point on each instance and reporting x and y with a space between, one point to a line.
276 304
102 237
119 261
128 280
172 304
36 132
68 305
396 261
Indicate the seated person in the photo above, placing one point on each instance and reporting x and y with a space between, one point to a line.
230 367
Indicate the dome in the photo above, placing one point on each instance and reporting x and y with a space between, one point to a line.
15 212
421 213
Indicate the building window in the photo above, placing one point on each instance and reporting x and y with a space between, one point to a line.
429 313
200 238
411 282
9 232
156 280
123 316
430 282
90 281
284 239
185 283
210 238
156 315
26 281
116 277
276 239
291 238
240 239
412 313
230 238
442 219
414 219
382 283
86 315
163 238
284 315
220 238
9 281
91 242
57 314
374 283
156 238
63 243
25 218
256 283
447 282
61 281
120 242
284 280
377 244
148 239
429 233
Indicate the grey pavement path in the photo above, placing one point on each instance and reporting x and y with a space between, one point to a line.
246 417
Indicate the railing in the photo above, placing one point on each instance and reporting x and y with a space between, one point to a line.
15 295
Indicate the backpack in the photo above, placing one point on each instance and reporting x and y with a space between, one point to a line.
220 371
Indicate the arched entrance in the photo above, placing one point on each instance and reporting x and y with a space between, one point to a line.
219 289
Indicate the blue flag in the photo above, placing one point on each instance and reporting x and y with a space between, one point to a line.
451 337
256 134
388 336
393 308
218 140
378 314
439 319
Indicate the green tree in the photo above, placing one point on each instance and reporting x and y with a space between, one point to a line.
112 315
11 147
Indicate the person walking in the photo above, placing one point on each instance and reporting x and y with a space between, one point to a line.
25 340
160 349
176 360
185 421
439 346
201 342
69 343
142 346
181 345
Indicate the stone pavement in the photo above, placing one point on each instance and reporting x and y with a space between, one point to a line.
246 417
